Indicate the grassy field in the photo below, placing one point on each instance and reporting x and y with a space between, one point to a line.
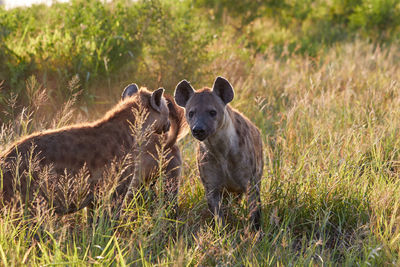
328 109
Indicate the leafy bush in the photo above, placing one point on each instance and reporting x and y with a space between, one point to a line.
310 25
175 45
86 38
97 40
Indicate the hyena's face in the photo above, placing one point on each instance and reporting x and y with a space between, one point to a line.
204 109
156 108
204 114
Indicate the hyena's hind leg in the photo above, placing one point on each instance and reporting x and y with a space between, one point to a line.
254 204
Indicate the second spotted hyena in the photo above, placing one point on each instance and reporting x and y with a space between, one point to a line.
91 147
230 153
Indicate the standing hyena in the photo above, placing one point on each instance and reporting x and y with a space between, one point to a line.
90 149
230 153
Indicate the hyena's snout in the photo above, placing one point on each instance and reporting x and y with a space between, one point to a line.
162 129
199 132
166 127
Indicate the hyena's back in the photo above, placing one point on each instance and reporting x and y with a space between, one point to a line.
72 147
65 150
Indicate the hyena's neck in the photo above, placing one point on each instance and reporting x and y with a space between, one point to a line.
224 141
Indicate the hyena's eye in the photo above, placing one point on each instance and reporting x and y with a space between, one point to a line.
213 113
191 113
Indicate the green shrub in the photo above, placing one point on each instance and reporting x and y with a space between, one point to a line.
175 45
312 25
86 38
100 42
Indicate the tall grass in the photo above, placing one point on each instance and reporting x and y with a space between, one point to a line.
329 191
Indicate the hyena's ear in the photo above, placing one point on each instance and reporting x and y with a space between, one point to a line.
183 92
155 100
130 90
223 89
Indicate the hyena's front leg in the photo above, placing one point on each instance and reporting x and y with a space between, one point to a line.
134 185
171 185
214 200
254 204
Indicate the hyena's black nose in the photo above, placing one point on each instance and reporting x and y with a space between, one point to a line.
199 133
166 127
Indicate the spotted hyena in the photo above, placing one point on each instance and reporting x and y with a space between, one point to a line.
91 148
229 155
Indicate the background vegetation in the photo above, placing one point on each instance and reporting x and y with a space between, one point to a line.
319 78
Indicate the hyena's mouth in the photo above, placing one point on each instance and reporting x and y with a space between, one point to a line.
200 138
199 134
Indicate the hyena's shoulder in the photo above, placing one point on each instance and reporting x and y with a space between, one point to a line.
245 129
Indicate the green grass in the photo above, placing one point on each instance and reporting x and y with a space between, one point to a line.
330 125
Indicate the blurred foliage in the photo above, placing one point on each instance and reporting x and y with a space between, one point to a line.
159 42
85 38
99 42
177 41
306 26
